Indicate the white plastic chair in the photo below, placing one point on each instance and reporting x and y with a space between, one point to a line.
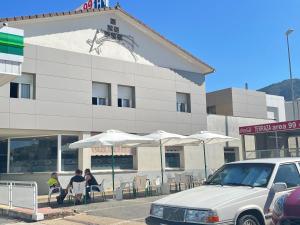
171 181
180 179
140 184
198 179
77 191
53 191
125 186
100 188
156 184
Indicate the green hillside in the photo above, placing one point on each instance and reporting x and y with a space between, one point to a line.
283 89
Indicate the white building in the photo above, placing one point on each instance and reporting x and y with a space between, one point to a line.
88 71
231 108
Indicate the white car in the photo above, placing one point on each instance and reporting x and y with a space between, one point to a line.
239 193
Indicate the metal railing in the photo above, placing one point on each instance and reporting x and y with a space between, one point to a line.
272 153
18 194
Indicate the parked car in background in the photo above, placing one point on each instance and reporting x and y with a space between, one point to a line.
287 209
239 193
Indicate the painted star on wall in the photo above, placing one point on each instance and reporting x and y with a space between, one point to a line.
112 33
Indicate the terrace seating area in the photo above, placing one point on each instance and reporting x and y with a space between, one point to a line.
139 186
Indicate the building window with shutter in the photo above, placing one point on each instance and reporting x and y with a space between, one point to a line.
126 96
101 94
23 87
183 102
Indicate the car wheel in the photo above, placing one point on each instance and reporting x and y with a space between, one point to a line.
248 220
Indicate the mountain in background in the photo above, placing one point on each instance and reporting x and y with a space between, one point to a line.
283 89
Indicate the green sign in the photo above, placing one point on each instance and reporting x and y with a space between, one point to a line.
11 44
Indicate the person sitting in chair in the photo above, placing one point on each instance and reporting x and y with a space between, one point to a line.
90 181
54 183
78 178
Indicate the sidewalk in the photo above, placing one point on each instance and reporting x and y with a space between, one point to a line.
84 219
111 212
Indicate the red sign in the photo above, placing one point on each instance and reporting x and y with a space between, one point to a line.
271 127
88 5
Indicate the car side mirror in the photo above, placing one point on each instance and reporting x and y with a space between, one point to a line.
279 187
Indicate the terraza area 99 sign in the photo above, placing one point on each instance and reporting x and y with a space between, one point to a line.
272 127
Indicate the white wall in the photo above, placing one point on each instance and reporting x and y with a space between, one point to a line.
289 110
72 33
64 96
277 103
229 126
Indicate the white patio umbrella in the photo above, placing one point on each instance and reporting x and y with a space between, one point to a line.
111 138
162 138
206 137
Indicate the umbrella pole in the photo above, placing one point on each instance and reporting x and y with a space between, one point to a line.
161 162
113 167
205 164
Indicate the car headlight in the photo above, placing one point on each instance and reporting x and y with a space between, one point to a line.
157 211
201 216
279 205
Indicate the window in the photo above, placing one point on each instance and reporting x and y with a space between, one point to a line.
23 87
37 154
289 174
174 157
104 162
69 157
14 90
102 101
212 109
25 91
183 102
3 156
243 174
101 94
126 96
230 154
273 113
124 103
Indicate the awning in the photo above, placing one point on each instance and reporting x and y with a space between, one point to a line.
118 151
270 127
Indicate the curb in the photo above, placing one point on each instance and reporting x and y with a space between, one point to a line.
27 215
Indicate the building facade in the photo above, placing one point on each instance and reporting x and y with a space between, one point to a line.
292 110
246 103
85 72
89 71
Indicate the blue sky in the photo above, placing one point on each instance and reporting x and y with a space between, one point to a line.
242 39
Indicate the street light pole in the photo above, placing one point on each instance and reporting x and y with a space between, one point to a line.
288 32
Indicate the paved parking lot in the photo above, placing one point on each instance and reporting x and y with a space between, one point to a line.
129 212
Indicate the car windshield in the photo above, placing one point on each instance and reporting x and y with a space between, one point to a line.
243 174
